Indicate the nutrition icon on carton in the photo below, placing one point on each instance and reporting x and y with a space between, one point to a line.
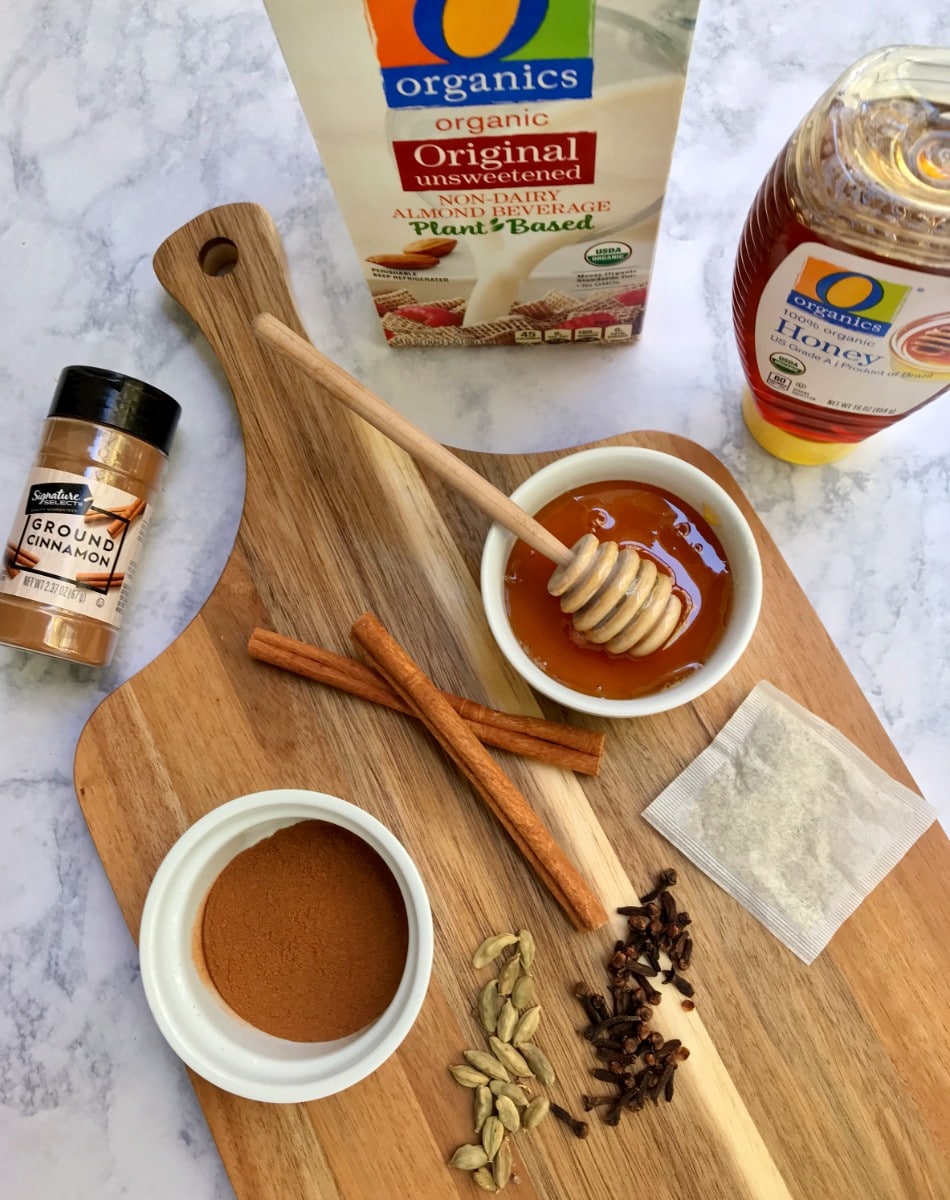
500 167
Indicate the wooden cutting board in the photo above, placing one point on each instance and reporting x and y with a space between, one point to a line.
824 1081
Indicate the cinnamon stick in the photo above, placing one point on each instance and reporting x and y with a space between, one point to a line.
552 742
522 823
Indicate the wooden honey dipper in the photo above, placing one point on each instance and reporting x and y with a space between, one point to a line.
616 599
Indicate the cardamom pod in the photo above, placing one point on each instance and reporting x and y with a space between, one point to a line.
501 1166
508 976
509 1057
538 1061
485 1063
469 1158
498 1087
491 947
468 1077
493 1134
535 1113
524 994
507 1020
483 1103
489 1004
527 947
508 1114
485 1179
527 1027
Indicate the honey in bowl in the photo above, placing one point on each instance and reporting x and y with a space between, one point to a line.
659 526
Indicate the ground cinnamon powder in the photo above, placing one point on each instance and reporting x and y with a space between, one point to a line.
305 934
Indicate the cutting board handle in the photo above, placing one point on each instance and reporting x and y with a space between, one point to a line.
223 268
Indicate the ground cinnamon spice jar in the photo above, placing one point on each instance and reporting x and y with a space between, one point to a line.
84 515
305 934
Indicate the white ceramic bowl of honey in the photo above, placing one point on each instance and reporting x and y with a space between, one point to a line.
199 1026
712 508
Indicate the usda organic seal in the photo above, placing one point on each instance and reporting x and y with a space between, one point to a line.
607 254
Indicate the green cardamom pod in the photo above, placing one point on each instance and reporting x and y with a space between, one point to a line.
524 994
483 1103
491 947
509 1057
501 1165
507 1020
469 1158
468 1077
486 1063
489 1004
493 1134
538 1061
508 1114
498 1087
527 947
508 976
535 1113
527 1027
485 1179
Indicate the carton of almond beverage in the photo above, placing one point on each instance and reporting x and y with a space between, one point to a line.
500 166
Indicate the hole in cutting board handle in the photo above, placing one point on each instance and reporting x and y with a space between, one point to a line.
219 256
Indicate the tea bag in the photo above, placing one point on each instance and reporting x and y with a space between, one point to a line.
790 818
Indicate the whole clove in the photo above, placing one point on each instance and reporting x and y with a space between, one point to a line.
635 1059
586 997
579 1128
666 880
644 970
683 985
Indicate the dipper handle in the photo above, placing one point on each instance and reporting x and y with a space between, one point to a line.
359 399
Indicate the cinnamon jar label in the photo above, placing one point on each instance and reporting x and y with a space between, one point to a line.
74 543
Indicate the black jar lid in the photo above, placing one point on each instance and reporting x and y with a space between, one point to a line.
108 398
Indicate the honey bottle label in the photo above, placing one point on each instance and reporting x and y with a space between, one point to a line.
842 332
74 544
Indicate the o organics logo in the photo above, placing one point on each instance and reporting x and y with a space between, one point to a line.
442 53
848 298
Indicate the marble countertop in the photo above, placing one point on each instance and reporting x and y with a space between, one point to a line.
119 123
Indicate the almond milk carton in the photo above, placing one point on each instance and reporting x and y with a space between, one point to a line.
500 166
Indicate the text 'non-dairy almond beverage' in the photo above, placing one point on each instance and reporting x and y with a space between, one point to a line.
500 166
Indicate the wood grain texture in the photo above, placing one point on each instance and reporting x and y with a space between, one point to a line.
829 1080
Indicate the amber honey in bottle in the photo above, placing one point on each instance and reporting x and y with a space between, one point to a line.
841 293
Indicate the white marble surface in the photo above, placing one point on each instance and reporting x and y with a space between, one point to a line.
118 122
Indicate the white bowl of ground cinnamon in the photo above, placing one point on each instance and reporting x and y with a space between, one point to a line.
679 523
254 941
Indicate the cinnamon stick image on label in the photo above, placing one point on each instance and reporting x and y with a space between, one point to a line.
13 558
100 579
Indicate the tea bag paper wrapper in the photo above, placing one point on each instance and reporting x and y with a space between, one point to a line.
790 818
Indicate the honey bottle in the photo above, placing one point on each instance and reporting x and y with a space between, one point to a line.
841 292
